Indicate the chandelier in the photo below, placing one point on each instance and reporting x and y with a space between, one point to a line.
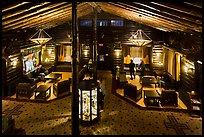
40 37
140 38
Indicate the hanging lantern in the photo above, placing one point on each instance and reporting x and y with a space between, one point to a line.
40 37
140 38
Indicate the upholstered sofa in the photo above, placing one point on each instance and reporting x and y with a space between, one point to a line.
132 92
25 90
61 88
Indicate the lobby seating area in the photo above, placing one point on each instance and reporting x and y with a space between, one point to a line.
58 89
119 116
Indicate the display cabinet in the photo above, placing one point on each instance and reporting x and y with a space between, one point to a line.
88 101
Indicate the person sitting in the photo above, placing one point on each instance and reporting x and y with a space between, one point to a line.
164 78
42 72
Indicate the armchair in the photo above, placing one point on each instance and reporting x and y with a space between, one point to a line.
25 90
169 98
61 88
132 92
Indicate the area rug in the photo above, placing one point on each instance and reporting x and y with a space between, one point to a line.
178 127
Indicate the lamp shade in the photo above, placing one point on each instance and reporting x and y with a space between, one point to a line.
140 38
40 37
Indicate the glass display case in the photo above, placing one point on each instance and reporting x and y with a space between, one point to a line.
88 104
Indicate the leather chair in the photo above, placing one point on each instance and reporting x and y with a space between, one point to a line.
131 91
169 98
25 90
61 88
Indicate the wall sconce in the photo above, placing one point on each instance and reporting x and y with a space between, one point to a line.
160 64
117 52
14 62
85 50
158 54
188 69
117 49
47 60
185 69
49 51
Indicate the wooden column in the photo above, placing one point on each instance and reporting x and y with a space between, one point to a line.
75 93
95 44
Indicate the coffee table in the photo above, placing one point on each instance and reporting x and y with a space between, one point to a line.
146 80
53 76
43 92
151 98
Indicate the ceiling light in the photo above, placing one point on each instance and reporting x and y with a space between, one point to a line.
140 38
40 37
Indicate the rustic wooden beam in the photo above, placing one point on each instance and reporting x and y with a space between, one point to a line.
130 15
148 19
4 9
174 16
82 10
36 18
32 13
196 4
68 19
30 7
194 12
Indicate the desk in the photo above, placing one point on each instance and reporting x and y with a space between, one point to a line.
149 80
151 98
53 76
43 92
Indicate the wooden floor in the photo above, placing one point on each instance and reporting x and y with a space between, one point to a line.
141 103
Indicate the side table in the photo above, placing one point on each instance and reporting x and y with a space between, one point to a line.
43 92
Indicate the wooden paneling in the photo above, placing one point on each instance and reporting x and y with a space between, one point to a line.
13 73
187 79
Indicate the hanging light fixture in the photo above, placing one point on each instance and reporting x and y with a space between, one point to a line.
140 38
40 37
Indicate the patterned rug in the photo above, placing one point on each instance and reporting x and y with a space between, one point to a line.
13 111
178 127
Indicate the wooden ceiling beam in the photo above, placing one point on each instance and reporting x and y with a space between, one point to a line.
30 7
147 17
134 16
4 9
173 17
32 13
64 20
196 4
25 22
189 11
85 9
174 14
163 17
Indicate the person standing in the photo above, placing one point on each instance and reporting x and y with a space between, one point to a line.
142 67
132 69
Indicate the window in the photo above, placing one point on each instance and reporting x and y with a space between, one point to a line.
87 23
117 23
102 23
